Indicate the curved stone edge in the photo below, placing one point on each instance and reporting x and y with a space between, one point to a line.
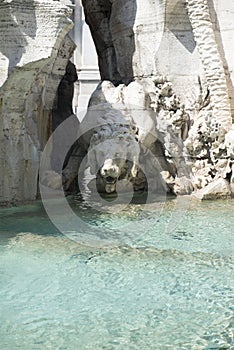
26 102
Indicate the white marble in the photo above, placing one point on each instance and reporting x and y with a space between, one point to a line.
35 51
172 58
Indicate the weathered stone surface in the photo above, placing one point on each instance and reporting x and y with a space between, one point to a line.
161 124
181 42
133 133
178 39
199 15
171 59
34 51
137 38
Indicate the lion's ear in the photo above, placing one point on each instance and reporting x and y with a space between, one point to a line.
92 161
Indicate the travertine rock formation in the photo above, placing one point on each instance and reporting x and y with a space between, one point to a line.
173 57
133 133
185 44
34 51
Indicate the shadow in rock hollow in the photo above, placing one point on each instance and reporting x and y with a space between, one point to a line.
177 21
20 23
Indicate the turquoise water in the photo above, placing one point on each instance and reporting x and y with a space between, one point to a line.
166 282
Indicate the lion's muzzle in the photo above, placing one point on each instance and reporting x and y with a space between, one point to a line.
110 170
110 173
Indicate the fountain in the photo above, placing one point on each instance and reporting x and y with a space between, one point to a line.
105 242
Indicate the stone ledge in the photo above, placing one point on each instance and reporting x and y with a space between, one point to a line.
219 189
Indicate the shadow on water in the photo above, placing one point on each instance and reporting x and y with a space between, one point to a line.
169 224
91 209
25 219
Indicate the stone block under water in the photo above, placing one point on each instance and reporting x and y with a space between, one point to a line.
214 190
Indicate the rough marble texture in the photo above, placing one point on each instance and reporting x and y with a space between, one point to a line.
34 50
132 137
199 15
177 51
187 44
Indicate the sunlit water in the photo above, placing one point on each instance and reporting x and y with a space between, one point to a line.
166 283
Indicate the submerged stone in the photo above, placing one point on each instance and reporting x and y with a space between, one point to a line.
220 188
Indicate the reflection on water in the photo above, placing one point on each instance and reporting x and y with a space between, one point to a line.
169 287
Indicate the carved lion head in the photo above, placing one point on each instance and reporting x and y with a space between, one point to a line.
113 155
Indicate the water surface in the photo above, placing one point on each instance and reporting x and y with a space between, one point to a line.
166 282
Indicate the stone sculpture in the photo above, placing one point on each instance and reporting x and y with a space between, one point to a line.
197 135
133 135
167 72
